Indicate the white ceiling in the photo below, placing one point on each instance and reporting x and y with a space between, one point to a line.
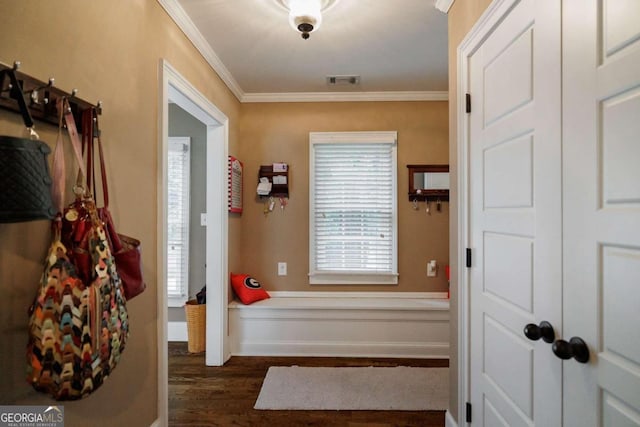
395 46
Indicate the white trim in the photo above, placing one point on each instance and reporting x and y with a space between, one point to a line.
346 96
369 349
494 12
175 87
463 239
444 5
189 98
176 302
350 278
161 253
156 423
341 327
390 137
449 421
182 20
356 294
335 305
177 331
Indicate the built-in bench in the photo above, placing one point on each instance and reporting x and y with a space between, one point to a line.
345 324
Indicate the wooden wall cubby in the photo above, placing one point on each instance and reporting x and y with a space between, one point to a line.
277 190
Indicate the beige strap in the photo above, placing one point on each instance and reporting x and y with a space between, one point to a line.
59 169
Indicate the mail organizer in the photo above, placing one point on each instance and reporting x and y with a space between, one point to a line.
273 180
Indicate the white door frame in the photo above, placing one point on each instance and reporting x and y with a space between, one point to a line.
476 36
175 88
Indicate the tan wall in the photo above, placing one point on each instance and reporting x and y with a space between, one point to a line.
462 16
109 51
279 132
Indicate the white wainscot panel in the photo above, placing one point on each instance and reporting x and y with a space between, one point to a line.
508 79
508 362
508 174
621 148
621 24
621 278
341 327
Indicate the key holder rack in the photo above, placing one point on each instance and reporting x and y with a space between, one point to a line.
428 182
40 97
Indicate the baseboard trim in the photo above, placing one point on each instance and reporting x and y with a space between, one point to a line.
341 349
449 421
177 331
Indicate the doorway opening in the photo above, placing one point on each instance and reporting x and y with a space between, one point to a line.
175 90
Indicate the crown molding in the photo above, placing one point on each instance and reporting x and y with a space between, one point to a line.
345 96
182 20
444 5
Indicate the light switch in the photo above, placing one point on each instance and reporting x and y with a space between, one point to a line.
203 219
432 268
282 269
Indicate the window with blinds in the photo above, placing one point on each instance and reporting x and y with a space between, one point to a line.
179 160
353 200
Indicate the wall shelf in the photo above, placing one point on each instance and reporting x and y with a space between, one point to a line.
277 190
428 182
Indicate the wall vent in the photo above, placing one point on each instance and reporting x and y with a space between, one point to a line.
343 80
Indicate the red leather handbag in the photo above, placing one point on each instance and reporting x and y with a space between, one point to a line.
126 250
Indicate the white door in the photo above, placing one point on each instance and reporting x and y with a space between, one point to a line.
515 217
601 172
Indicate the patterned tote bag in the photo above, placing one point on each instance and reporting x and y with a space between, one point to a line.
79 325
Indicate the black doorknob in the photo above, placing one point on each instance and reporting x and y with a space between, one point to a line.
576 348
544 331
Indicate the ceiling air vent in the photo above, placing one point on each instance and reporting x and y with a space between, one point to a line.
343 80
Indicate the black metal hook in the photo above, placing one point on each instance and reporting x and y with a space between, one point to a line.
34 93
17 94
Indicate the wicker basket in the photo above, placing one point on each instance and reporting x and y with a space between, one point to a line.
196 325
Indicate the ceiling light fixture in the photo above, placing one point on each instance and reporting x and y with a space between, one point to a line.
305 16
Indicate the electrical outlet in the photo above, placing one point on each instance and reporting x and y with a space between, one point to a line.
282 269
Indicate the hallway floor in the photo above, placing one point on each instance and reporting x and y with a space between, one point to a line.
224 396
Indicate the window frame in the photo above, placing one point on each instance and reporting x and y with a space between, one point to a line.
175 300
345 277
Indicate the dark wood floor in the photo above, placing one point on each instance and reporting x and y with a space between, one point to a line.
224 396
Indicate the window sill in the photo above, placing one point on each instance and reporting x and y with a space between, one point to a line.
176 302
352 279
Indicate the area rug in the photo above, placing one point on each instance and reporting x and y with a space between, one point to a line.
370 388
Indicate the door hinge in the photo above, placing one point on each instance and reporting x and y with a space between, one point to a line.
468 417
468 102
468 257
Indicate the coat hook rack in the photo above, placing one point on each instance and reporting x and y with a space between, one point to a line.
39 96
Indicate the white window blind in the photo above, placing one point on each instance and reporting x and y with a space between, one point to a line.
353 208
179 160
